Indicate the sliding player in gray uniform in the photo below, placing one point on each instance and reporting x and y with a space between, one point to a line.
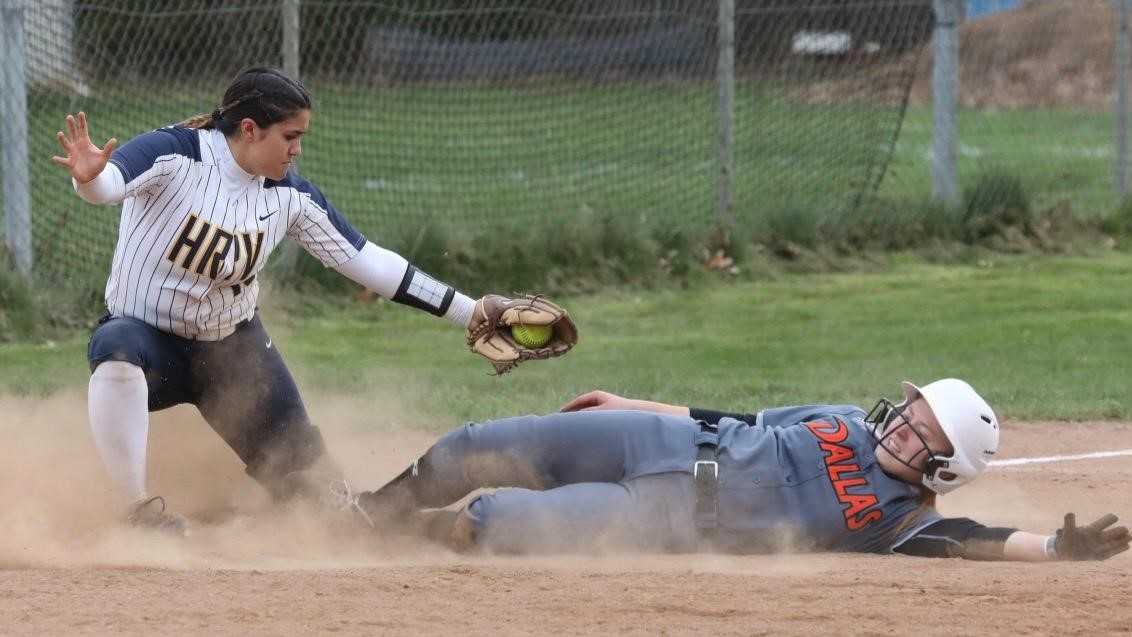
204 203
610 472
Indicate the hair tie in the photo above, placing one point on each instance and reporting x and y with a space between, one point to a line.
216 116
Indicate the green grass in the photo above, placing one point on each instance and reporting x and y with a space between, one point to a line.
1060 155
1041 338
395 160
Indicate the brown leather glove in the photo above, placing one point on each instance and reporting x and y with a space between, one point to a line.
489 331
1093 542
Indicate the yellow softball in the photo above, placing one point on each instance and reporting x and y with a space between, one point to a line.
531 336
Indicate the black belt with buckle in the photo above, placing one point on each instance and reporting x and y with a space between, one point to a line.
705 473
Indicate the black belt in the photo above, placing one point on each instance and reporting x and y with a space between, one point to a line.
705 473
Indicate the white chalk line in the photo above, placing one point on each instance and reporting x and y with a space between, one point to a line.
1078 456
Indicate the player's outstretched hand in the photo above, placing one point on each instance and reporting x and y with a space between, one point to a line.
81 156
1094 542
490 330
597 399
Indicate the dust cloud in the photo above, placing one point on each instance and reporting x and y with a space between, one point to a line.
60 508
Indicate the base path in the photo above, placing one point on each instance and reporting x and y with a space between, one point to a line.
69 568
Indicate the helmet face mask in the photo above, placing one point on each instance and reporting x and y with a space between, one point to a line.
969 425
882 416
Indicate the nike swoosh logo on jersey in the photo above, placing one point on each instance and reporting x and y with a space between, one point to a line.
268 215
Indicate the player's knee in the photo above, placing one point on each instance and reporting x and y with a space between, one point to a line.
118 340
118 371
294 449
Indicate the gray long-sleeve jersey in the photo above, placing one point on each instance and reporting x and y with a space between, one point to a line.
807 476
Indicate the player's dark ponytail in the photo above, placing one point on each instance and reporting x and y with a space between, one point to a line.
204 120
265 95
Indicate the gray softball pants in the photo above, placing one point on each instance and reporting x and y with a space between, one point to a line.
581 481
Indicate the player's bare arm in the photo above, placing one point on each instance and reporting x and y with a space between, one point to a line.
602 400
1023 546
598 400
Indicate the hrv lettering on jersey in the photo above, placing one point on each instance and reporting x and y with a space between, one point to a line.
201 246
840 460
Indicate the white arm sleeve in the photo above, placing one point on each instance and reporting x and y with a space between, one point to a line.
383 271
376 269
108 187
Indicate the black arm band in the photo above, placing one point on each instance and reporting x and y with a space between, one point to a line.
711 416
423 292
957 537
986 543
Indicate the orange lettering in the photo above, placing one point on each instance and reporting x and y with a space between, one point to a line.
841 459
840 486
836 453
858 503
834 434
835 470
856 524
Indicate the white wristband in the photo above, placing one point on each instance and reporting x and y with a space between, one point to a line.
460 312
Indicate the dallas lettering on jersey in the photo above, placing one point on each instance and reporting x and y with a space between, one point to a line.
200 245
840 460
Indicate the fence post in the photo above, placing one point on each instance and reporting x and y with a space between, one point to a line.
14 134
291 38
289 251
1123 60
725 75
945 93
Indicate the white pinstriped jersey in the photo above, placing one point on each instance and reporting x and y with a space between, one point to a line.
196 229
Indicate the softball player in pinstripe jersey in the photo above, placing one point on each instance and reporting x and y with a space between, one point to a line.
203 205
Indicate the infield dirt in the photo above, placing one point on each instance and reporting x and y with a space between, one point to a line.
69 567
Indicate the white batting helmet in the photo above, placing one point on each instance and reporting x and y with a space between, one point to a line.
969 424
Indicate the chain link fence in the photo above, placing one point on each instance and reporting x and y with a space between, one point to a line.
1035 100
471 116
